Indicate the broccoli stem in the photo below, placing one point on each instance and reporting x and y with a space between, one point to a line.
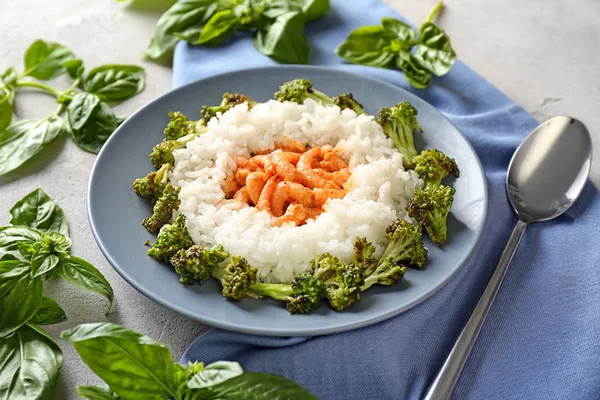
436 9
395 249
320 97
276 291
217 272
437 228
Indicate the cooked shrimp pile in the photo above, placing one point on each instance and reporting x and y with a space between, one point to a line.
292 183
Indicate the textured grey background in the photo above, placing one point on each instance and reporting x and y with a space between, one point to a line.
542 53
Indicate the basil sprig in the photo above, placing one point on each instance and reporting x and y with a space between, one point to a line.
278 26
134 366
418 53
39 233
91 124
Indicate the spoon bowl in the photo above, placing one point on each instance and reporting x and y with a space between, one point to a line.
545 177
549 169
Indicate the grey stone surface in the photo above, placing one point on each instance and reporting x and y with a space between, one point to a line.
542 53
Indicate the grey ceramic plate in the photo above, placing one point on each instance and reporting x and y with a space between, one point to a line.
115 211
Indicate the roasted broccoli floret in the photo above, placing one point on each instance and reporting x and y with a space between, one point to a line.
384 274
364 255
194 264
236 277
162 212
399 123
298 90
171 238
302 296
347 100
153 184
229 101
342 280
179 126
433 166
404 246
430 206
162 153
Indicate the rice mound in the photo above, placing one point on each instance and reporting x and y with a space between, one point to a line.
378 189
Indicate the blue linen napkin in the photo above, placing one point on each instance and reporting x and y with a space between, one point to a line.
541 338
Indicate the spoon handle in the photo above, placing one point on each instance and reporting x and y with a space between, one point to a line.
444 382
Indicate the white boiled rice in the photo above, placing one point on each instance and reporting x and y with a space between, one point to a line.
378 193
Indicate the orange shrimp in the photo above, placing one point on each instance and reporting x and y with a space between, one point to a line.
338 177
311 178
295 214
312 212
332 162
292 145
246 163
255 182
287 156
230 186
240 176
266 163
321 195
290 192
242 196
286 170
308 158
264 200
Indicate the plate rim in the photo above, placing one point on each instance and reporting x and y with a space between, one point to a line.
232 326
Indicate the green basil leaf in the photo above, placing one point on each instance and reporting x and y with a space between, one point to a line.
434 51
218 28
367 46
133 365
43 60
22 140
26 250
181 16
31 363
401 31
43 263
74 67
85 276
37 210
56 243
96 393
91 122
214 374
10 76
80 109
415 75
284 40
49 313
115 82
254 386
20 304
6 107
190 35
10 236
183 373
9 257
11 272
314 9
275 8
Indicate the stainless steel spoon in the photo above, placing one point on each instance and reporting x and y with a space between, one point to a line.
545 176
